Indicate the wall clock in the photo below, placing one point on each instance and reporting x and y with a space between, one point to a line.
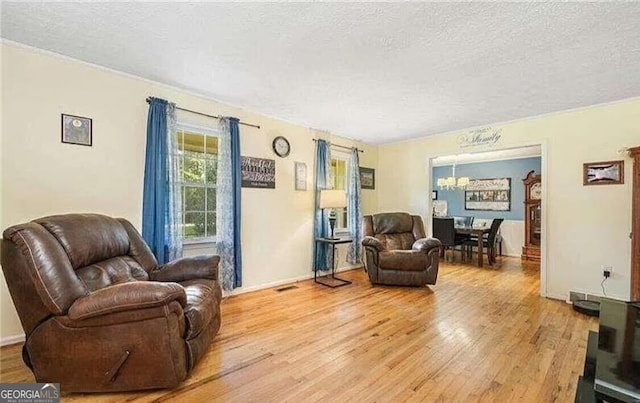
535 191
281 146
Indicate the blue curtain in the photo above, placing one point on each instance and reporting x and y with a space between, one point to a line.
228 208
354 208
236 180
322 259
161 207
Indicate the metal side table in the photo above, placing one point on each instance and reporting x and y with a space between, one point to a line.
340 281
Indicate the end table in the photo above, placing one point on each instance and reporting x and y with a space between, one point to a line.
333 243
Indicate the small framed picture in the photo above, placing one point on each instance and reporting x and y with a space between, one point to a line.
367 178
434 195
77 130
603 173
301 175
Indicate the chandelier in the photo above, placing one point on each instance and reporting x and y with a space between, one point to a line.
451 182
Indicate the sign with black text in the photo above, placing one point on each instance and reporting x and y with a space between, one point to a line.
258 173
483 137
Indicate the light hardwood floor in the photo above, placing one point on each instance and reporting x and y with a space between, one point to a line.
478 335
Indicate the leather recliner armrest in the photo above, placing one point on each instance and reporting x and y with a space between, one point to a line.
187 268
426 244
369 241
126 297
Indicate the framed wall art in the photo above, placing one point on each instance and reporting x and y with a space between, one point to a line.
488 194
76 130
603 173
440 208
301 176
367 178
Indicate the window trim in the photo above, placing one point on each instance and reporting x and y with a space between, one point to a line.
205 131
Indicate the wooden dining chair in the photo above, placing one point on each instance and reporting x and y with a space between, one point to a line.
488 243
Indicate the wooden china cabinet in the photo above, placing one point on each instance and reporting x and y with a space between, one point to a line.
532 217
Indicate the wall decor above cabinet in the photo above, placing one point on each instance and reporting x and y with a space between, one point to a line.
603 173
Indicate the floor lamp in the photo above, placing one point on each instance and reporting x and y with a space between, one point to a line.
332 199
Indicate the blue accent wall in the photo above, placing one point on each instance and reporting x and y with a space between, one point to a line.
516 169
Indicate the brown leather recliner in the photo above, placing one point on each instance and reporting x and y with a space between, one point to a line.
98 312
397 252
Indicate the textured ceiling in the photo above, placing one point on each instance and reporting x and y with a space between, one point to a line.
375 72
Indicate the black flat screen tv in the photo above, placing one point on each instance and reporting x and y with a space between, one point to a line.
618 357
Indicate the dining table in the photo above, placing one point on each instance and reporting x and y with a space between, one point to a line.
479 233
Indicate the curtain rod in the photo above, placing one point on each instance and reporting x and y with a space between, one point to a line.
345 147
209 116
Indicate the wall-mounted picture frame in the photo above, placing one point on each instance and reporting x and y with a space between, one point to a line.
603 173
440 208
434 195
300 176
488 194
367 178
76 130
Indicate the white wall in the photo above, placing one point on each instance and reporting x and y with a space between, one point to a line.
587 226
512 233
42 176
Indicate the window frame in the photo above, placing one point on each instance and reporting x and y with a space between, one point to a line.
342 156
197 129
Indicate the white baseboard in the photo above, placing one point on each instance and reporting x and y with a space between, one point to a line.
278 283
556 296
6 341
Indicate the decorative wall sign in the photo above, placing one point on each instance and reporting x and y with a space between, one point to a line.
603 173
258 173
77 130
486 136
301 175
367 178
488 194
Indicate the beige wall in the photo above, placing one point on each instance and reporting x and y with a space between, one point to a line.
586 226
7 313
43 176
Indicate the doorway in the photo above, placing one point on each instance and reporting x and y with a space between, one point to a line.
502 187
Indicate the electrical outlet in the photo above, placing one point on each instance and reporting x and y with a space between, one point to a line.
607 271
